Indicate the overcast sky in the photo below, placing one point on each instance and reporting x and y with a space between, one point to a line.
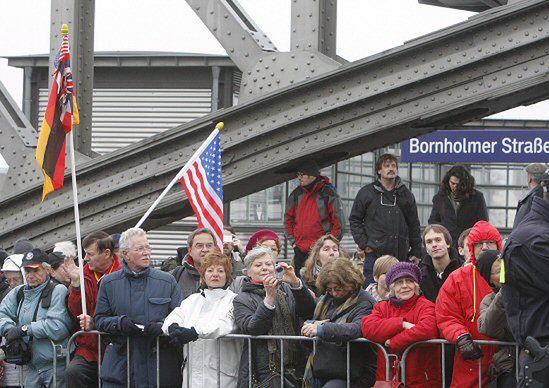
365 27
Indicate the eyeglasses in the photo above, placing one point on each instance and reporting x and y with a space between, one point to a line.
202 246
335 289
300 174
489 244
142 250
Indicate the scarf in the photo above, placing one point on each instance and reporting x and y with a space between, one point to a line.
455 200
339 315
283 324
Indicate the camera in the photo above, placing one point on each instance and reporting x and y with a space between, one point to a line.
227 239
279 271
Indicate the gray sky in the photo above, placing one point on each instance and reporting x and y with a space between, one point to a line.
365 27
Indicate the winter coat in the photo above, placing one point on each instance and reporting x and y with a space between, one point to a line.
526 289
493 323
254 318
52 323
187 276
312 214
386 221
385 323
470 211
525 204
211 314
430 282
457 311
87 343
146 296
363 356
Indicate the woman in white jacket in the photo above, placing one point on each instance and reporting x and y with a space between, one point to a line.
200 320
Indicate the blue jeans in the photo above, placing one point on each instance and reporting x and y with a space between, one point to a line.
43 378
368 271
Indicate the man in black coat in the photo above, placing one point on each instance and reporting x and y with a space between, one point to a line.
525 286
384 218
535 172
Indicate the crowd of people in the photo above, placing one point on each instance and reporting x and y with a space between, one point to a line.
457 280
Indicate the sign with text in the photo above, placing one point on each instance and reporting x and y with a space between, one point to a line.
470 146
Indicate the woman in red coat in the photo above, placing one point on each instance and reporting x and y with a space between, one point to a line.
404 319
458 308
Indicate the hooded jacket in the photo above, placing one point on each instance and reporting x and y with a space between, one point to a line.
457 312
87 344
526 289
430 281
146 296
470 211
310 214
386 221
385 323
52 323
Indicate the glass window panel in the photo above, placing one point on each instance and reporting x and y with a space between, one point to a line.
494 197
516 195
511 217
497 217
517 176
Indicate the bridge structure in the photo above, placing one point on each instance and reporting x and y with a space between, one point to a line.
307 102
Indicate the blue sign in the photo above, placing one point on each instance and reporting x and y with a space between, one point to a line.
469 146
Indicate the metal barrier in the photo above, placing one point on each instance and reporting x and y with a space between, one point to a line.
443 342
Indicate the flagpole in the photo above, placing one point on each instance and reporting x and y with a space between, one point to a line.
65 31
178 176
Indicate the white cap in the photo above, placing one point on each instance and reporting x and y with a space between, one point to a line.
13 263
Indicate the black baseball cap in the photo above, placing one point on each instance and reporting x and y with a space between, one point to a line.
34 258
55 259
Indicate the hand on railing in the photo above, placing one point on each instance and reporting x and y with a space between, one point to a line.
127 327
180 336
153 329
310 328
469 350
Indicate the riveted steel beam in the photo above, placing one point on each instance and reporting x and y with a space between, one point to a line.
488 64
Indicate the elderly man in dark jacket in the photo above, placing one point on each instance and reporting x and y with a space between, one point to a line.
525 287
535 172
133 302
384 219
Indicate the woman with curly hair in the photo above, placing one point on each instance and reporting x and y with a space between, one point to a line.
458 205
326 248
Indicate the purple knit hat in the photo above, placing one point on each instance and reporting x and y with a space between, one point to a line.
402 270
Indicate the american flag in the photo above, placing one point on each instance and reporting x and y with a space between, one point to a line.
204 187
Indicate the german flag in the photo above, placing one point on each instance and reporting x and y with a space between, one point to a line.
61 114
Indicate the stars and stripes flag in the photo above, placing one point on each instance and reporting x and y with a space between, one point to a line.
202 181
61 114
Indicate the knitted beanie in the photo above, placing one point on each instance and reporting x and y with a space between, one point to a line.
260 236
403 270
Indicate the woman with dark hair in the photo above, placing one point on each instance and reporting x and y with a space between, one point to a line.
325 249
337 319
458 205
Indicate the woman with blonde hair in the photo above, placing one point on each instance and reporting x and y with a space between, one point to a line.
200 320
378 290
325 249
336 320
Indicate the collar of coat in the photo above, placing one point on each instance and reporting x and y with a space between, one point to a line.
427 261
379 187
135 275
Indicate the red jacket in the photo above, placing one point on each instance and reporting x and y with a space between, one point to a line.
457 311
385 322
312 214
87 343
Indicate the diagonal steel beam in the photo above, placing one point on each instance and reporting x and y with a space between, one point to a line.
488 64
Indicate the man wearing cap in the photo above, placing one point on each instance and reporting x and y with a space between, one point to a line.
458 308
101 261
36 313
133 302
525 288
535 172
201 242
312 210
384 219
56 268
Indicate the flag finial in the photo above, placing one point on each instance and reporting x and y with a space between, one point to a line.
64 29
220 125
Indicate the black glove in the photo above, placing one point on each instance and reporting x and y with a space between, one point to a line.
14 333
180 336
153 329
127 327
469 350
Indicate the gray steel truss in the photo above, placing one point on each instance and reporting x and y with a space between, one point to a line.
490 63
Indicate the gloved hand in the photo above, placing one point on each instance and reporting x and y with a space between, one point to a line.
153 329
14 333
127 327
180 336
469 350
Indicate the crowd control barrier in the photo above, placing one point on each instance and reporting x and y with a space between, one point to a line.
442 342
249 339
